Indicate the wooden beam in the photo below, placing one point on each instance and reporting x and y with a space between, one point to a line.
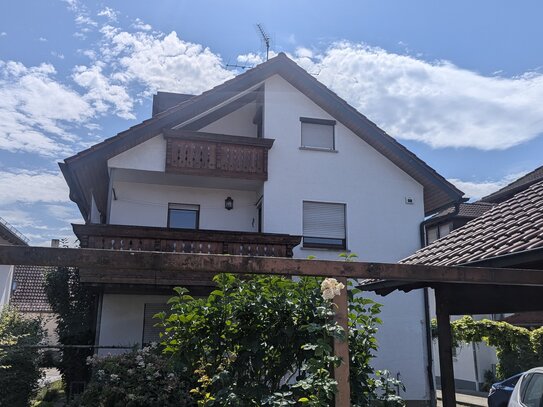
341 348
444 336
170 266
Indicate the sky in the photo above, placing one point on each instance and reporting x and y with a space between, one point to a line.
458 83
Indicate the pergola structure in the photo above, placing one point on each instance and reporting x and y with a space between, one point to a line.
459 289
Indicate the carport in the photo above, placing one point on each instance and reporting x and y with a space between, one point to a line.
459 289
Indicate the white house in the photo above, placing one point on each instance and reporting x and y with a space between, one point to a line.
8 236
269 163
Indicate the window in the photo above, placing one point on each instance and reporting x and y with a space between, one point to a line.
532 390
183 216
151 333
324 225
437 232
318 134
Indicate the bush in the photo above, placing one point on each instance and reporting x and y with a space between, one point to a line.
142 378
73 305
264 340
19 357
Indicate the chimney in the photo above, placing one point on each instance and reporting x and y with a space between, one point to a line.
55 243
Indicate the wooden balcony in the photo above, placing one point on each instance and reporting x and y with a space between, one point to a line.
121 237
216 155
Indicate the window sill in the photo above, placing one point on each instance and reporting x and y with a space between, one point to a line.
326 150
325 249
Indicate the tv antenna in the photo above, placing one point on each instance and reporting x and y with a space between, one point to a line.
265 38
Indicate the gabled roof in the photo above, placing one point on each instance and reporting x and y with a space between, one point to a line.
86 172
464 210
512 227
29 289
518 185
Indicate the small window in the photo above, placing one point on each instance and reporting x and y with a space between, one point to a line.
151 333
324 225
181 216
318 133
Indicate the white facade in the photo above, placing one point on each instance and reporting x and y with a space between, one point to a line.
384 208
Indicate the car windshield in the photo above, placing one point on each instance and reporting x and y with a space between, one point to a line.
512 381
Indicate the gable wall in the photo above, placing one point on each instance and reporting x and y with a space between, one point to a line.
380 225
237 123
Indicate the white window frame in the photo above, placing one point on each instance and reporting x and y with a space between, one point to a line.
184 207
313 239
305 145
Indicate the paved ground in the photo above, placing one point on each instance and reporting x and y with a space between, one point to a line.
470 400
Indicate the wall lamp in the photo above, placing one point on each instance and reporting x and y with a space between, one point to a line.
229 203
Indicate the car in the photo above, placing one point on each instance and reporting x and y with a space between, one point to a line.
500 392
528 391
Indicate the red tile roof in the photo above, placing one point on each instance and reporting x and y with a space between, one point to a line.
29 294
513 226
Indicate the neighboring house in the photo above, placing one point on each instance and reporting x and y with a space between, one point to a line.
508 235
456 216
270 163
8 236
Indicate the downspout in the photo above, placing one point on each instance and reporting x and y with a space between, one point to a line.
427 317
429 356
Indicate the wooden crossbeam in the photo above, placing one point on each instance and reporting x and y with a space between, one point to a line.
166 265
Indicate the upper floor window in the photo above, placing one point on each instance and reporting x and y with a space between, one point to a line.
324 225
183 216
437 232
318 133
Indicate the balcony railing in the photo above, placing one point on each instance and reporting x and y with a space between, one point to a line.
217 155
121 237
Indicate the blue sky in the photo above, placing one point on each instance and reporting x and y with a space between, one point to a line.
459 83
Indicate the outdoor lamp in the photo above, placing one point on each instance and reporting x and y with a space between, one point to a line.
229 203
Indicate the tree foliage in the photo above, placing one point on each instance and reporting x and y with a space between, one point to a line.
518 349
258 341
19 357
73 305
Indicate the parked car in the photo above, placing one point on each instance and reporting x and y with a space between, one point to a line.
528 391
500 392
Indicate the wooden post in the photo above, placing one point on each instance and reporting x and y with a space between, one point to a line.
444 335
341 348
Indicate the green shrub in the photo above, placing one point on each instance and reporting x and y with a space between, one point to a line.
142 378
73 305
264 340
19 357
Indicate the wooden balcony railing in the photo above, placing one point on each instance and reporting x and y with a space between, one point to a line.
121 237
218 155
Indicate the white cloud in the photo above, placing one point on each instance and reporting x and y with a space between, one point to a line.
57 54
82 19
250 59
478 189
435 103
140 25
42 39
108 13
36 110
102 93
3 34
161 62
32 186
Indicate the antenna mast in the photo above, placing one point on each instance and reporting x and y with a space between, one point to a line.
265 38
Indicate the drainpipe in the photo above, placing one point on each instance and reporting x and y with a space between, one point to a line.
476 368
429 356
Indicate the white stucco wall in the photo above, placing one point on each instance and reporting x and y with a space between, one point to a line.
147 205
237 123
6 276
380 225
121 322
